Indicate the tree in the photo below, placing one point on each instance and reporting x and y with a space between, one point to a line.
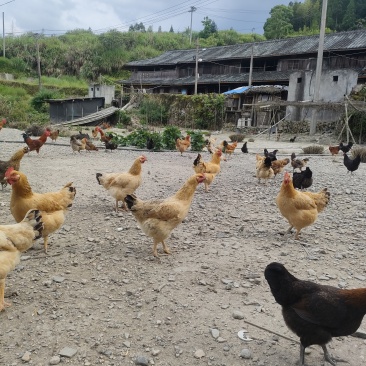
349 20
138 27
171 30
209 28
159 29
279 24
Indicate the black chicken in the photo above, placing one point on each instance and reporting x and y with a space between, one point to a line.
316 313
271 155
303 179
150 143
346 148
293 139
110 145
244 148
351 164
197 160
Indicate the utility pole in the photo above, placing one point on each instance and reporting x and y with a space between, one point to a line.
196 70
193 8
3 35
251 62
319 66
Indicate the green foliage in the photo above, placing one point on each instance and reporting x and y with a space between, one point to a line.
207 110
139 138
123 118
152 112
197 140
209 28
170 134
357 125
279 24
38 101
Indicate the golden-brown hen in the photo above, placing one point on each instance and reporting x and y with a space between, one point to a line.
264 170
77 145
212 166
200 167
183 144
279 165
300 209
157 218
14 162
53 205
229 149
119 185
15 239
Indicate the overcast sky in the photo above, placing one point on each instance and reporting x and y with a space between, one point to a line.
58 16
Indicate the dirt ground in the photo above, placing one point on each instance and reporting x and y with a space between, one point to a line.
100 298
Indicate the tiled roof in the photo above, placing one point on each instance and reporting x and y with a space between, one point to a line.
280 47
215 79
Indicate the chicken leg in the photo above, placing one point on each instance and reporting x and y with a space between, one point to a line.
165 248
3 304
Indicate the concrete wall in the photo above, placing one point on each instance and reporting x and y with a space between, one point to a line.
334 85
106 91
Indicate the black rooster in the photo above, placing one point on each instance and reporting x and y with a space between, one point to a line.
244 148
271 155
293 139
303 179
346 148
351 164
316 313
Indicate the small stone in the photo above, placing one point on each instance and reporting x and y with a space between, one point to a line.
68 352
26 357
238 314
199 353
142 361
58 279
127 344
246 354
215 333
155 352
55 360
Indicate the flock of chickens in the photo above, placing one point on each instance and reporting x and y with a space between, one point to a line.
314 312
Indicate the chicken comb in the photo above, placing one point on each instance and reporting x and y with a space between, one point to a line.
8 172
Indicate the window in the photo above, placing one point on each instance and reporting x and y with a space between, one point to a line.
335 78
293 64
299 80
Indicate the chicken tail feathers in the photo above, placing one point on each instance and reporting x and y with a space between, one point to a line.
130 200
98 175
34 218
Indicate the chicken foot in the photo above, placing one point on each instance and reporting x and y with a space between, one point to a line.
328 358
165 248
3 304
124 207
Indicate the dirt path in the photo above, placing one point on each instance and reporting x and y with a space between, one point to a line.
101 293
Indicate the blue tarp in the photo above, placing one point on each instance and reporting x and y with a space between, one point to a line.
237 90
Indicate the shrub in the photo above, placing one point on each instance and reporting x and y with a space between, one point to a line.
237 137
359 151
170 134
197 140
314 149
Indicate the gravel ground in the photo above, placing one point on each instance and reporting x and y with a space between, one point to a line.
100 298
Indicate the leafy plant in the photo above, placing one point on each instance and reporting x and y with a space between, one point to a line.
153 113
237 137
38 101
197 140
170 134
